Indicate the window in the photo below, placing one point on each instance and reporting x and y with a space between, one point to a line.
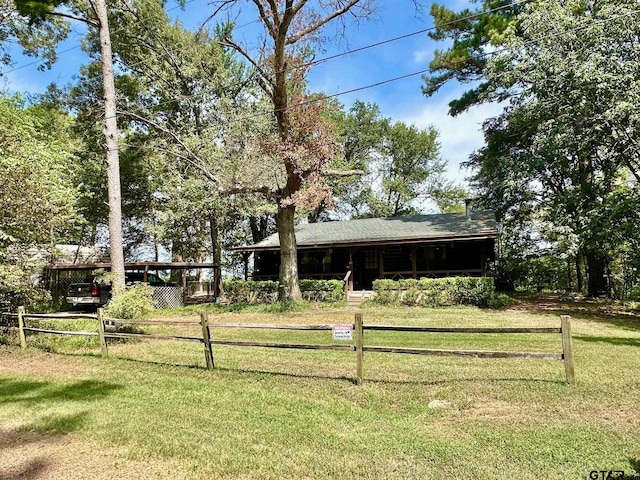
370 259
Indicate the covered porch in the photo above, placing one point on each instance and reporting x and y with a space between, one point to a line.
362 251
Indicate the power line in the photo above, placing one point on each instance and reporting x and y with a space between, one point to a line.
338 55
36 62
412 34
461 62
75 47
485 56
390 40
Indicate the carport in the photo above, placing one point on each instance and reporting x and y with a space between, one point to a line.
54 276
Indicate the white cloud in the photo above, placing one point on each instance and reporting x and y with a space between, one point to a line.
422 56
459 136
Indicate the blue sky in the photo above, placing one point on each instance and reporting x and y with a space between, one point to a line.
400 100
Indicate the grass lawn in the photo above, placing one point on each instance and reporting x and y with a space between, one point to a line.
151 410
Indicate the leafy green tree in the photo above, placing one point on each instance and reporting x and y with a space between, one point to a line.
361 131
401 166
38 194
95 14
568 141
474 33
37 40
187 94
409 168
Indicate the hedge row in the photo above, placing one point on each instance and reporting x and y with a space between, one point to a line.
435 292
242 291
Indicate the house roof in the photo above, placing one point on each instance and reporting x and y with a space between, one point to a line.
391 230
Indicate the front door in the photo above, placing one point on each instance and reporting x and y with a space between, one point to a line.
365 268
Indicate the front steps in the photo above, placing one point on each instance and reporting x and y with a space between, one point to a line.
358 296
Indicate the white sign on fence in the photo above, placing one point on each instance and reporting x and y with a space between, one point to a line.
342 332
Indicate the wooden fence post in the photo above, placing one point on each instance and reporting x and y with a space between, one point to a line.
206 339
103 341
567 348
359 351
21 335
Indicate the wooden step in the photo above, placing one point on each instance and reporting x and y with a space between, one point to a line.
358 296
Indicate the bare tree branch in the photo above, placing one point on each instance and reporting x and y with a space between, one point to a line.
88 21
267 192
343 173
323 21
199 164
268 23
267 88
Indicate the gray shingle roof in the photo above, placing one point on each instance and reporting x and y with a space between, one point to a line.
447 226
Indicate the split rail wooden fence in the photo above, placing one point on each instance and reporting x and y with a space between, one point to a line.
357 328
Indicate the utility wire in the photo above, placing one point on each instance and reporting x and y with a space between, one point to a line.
372 45
338 55
461 62
530 42
486 55
412 34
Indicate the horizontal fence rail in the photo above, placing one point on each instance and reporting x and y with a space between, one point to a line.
357 329
465 353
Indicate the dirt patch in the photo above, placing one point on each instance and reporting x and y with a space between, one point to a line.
583 307
32 455
41 365
492 410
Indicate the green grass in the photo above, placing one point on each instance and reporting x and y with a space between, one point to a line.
267 413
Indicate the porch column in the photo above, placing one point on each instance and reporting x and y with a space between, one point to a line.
414 262
381 262
351 251
184 285
245 260
57 289
483 263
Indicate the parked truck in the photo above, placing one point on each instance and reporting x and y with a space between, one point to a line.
95 294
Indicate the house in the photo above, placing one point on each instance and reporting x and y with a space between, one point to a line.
415 246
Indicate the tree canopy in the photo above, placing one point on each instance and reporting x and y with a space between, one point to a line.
565 150
475 34
39 194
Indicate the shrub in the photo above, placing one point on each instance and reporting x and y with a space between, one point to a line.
322 290
251 292
134 303
500 300
17 287
248 291
434 292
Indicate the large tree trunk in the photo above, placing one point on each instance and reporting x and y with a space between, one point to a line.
113 160
289 290
580 286
216 251
597 284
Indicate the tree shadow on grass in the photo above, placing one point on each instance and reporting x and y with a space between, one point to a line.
21 460
620 341
343 378
446 381
32 392
595 310
29 470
